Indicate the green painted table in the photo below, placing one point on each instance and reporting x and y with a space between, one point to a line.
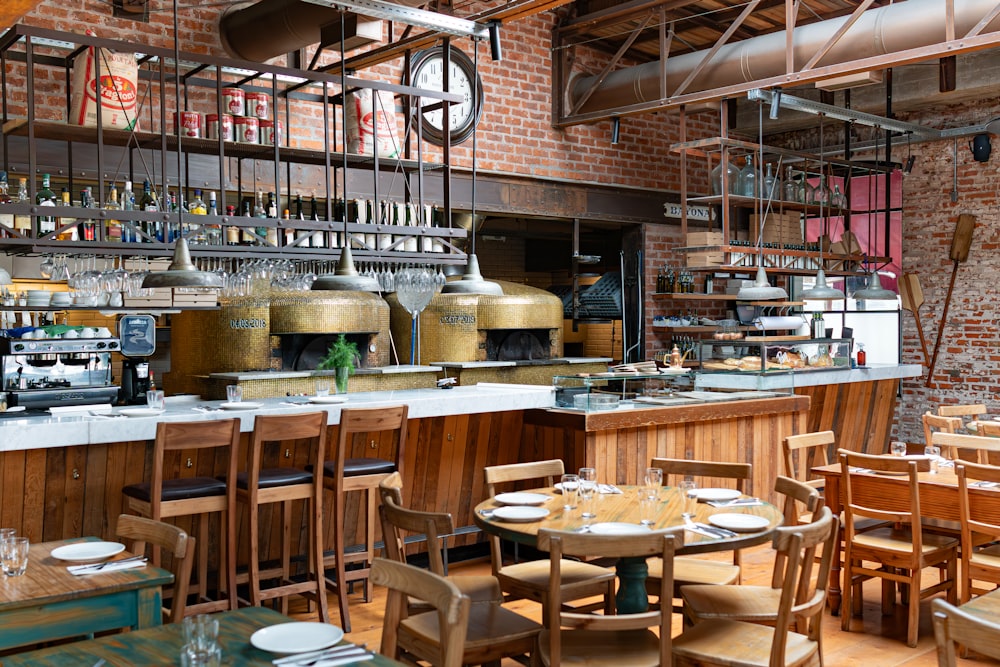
48 603
154 647
624 508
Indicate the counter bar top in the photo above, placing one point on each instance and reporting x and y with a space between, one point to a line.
41 432
789 381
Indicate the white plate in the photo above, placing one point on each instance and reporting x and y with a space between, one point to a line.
140 412
741 523
87 551
520 513
297 637
241 405
706 495
327 399
618 528
521 498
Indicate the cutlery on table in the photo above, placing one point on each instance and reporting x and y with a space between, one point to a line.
745 502
96 567
705 529
307 659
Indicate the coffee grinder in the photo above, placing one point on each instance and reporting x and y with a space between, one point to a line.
138 342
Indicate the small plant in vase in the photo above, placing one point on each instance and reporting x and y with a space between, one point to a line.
341 357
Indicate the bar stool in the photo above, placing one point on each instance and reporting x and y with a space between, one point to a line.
343 473
195 496
261 485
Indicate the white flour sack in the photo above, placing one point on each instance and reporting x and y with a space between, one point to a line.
361 123
118 89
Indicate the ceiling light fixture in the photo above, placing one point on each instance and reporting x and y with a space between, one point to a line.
821 291
183 273
616 128
874 290
421 18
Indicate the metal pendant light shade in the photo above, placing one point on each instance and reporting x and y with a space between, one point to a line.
5 278
346 278
821 291
472 282
761 290
874 291
183 273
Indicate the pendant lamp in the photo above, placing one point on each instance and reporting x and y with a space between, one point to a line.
346 277
874 291
821 291
5 278
183 273
472 282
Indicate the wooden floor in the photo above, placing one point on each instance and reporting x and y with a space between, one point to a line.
875 641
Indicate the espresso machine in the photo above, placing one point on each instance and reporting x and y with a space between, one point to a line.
53 372
138 342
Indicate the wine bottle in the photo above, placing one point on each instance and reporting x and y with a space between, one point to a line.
87 227
6 219
129 233
22 222
45 197
66 223
113 226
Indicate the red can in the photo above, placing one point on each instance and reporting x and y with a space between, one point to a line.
270 131
247 129
212 126
190 123
233 101
256 104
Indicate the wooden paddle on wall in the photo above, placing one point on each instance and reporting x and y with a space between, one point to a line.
913 297
960 243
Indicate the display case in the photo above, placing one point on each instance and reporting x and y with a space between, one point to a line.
794 356
608 391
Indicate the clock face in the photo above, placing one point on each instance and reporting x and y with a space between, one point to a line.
428 72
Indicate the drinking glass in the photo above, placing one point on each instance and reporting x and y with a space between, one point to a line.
898 448
14 556
201 632
689 499
154 399
934 453
647 507
569 485
587 491
654 481
7 533
234 393
322 387
194 657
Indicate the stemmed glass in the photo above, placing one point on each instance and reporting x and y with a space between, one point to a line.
414 288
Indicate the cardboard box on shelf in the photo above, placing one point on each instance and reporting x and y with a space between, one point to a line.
161 297
698 259
704 238
784 228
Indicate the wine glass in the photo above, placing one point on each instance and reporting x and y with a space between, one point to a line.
414 288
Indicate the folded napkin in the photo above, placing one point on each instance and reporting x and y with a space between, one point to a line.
739 502
337 662
102 568
608 488
985 485
701 529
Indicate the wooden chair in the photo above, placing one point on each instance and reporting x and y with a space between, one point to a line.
343 473
450 621
976 448
530 579
690 569
197 496
263 485
756 604
937 424
140 530
493 631
980 527
954 626
398 521
990 429
902 550
597 640
735 643
969 410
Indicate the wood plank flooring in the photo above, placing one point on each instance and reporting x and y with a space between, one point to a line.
875 641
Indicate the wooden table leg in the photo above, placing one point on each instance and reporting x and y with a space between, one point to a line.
149 611
631 597
831 494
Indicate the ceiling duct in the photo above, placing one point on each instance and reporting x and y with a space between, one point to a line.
270 28
896 27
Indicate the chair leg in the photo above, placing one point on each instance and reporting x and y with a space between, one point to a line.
370 540
847 588
202 546
286 550
953 578
340 585
253 561
913 618
315 506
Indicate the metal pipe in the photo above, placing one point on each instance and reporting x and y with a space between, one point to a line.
895 27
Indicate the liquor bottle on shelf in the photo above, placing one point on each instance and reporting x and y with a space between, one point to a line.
772 188
87 227
213 231
732 178
113 226
45 197
260 211
232 231
246 234
6 219
148 202
68 233
129 233
22 222
300 233
271 233
197 205
317 239
837 200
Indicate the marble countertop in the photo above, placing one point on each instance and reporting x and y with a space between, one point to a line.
40 432
789 381
508 364
242 376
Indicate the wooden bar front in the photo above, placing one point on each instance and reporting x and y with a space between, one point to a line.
620 443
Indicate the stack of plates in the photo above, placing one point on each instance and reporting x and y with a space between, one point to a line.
61 299
39 297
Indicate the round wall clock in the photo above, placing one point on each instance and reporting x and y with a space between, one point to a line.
428 72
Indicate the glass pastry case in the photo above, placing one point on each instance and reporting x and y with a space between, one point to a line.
748 356
608 391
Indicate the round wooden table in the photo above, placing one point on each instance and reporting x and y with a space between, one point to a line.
624 508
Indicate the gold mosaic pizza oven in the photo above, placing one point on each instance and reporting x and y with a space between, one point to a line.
523 325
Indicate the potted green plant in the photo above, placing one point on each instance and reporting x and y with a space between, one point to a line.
341 357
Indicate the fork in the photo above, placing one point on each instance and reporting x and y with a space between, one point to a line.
100 566
307 659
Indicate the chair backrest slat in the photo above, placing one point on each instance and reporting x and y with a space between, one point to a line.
740 472
968 410
954 625
140 531
806 451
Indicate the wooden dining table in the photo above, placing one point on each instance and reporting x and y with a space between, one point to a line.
154 647
623 508
48 603
938 500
